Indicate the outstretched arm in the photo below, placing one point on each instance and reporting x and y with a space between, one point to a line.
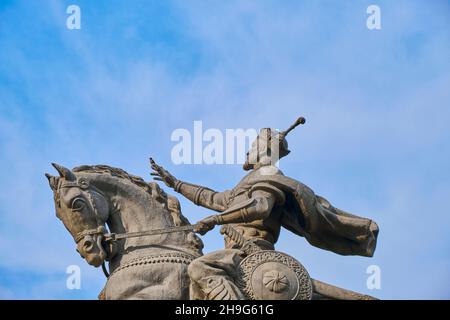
199 195
203 196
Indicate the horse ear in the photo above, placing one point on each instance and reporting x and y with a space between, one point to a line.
52 181
64 172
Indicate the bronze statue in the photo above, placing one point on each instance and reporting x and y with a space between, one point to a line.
255 210
153 252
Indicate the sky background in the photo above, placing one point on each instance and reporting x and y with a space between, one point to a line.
376 141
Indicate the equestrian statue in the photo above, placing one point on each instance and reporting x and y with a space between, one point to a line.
154 253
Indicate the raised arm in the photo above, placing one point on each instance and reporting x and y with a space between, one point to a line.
203 196
199 195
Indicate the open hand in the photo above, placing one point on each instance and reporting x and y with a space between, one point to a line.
161 174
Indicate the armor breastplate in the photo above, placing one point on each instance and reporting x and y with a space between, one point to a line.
267 229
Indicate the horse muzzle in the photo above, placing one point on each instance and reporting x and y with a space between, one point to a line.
91 249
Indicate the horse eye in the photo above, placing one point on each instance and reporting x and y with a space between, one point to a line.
78 204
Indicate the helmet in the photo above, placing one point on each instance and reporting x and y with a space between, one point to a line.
270 145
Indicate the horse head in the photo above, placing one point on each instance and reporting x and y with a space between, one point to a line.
84 210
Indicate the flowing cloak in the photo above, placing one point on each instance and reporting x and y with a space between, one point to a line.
324 226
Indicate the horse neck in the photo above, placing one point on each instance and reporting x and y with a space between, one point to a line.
135 210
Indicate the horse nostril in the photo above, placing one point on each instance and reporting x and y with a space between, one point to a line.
88 244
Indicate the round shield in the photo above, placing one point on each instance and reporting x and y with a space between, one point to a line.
273 275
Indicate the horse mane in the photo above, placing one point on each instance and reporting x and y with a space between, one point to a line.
116 172
150 187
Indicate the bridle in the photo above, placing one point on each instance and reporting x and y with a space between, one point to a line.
84 185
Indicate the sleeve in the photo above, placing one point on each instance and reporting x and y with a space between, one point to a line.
203 196
259 207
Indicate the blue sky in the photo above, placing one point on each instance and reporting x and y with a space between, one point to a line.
376 142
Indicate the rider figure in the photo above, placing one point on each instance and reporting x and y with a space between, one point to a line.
257 207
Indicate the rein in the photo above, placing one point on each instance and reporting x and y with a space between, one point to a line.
112 237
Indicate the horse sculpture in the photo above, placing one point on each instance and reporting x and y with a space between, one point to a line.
154 266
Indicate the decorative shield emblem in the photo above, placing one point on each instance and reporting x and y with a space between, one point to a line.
273 275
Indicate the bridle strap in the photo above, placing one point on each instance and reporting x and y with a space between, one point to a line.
90 232
112 237
85 185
